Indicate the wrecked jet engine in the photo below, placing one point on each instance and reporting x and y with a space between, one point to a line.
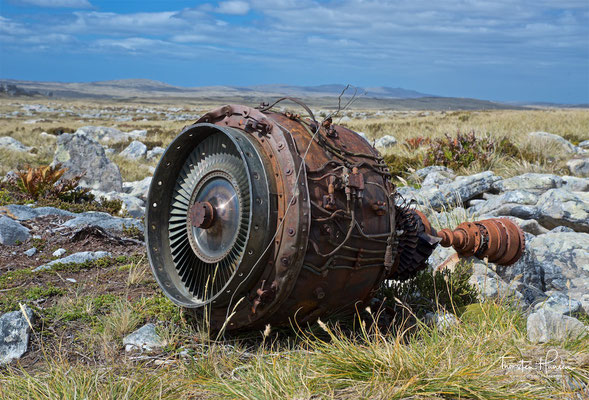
259 217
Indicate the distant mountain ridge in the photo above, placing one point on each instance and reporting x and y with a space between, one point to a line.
147 90
138 87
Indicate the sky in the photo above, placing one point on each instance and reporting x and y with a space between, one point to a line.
505 50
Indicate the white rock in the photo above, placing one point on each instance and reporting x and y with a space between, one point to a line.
560 303
59 252
385 142
14 334
145 338
31 252
11 143
545 326
550 137
135 150
579 166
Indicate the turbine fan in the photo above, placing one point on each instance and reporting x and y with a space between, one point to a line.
207 258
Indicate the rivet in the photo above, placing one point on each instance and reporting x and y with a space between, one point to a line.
319 293
280 146
284 260
288 171
291 231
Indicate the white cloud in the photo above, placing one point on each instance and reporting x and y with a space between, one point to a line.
57 3
233 7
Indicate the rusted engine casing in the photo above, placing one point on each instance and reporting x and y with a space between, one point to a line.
258 217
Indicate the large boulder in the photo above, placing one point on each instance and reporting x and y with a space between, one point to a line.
560 303
155 153
546 326
559 207
11 232
10 143
14 334
80 154
135 150
563 259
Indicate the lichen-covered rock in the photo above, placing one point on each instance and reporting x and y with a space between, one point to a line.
76 258
462 189
531 182
563 258
135 150
560 207
155 153
10 143
14 334
545 326
560 303
138 188
385 142
82 155
25 213
144 338
436 178
579 166
103 220
11 232
423 172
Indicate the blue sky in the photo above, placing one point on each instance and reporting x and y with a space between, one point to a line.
508 50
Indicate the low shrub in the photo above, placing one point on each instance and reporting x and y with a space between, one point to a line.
460 151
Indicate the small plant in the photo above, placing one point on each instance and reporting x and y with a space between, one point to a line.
47 181
460 151
416 142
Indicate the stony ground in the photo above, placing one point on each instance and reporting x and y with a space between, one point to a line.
83 281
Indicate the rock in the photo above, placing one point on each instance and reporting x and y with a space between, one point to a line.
436 178
138 133
441 320
562 142
131 204
423 172
531 182
560 303
103 220
76 258
561 207
575 184
31 252
81 154
363 135
563 258
584 144
11 232
457 192
59 252
579 166
135 150
439 255
504 204
10 143
25 213
545 326
155 153
144 338
138 188
385 142
562 229
531 226
14 334
489 283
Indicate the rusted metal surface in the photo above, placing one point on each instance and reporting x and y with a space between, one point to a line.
323 230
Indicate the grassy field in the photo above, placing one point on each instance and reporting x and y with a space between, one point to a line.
76 349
